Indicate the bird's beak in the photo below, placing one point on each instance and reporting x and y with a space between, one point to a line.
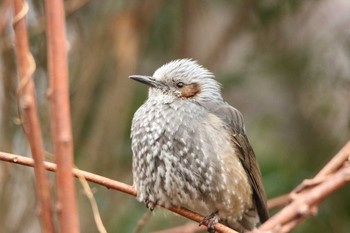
146 80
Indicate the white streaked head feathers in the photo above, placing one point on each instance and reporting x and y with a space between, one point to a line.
189 71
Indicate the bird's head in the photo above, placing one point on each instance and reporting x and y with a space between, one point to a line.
184 79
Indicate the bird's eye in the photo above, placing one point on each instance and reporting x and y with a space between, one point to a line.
180 84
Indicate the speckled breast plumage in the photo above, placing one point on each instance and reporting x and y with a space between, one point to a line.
182 156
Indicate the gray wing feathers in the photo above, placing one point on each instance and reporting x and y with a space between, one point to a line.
234 121
231 116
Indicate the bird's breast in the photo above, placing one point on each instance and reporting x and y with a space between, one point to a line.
182 156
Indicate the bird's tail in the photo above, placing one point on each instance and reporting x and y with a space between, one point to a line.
247 223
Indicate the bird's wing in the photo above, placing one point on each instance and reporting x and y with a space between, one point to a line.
234 121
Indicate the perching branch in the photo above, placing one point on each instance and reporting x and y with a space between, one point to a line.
26 95
305 201
60 114
333 165
108 183
336 162
187 228
307 197
306 204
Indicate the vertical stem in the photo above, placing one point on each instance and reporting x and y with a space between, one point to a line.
26 93
60 114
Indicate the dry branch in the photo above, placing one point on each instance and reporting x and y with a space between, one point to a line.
5 8
187 228
60 114
332 166
26 67
336 162
97 217
108 183
307 197
278 201
142 222
305 201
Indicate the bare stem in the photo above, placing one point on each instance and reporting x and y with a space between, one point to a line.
110 184
26 67
60 115
307 199
304 204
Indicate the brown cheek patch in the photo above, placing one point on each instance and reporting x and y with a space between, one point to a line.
190 90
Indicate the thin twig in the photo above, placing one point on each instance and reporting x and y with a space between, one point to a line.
110 184
142 222
26 94
336 162
306 200
278 201
187 228
60 114
89 194
5 14
94 207
306 203
69 6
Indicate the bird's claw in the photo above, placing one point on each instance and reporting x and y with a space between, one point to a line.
211 219
150 205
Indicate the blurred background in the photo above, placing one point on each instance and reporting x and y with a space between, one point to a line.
284 64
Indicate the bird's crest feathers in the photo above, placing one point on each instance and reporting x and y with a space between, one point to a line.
192 74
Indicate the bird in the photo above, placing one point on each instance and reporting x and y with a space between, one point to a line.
190 149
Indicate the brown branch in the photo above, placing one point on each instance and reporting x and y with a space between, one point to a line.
307 197
305 203
5 8
278 201
97 217
335 163
60 114
110 184
69 8
52 167
142 222
187 228
26 67
197 218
